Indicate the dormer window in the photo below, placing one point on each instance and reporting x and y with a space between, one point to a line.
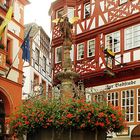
87 10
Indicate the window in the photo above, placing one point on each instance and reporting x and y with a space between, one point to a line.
36 80
112 98
123 1
91 48
80 51
59 13
99 98
132 37
44 63
36 56
70 12
138 103
113 41
128 104
43 88
58 54
9 51
87 10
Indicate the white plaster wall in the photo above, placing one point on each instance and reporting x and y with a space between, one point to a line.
118 58
126 57
101 22
27 82
136 55
78 29
13 76
14 28
37 38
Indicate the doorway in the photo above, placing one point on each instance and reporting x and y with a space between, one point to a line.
135 135
2 119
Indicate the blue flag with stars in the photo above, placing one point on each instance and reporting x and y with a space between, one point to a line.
26 48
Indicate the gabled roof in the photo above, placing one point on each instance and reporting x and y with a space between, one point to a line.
34 30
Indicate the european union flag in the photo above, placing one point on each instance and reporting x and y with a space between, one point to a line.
26 49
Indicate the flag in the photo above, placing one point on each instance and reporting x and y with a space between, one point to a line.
6 20
26 47
26 51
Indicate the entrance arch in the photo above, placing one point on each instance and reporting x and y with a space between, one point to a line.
8 105
5 110
135 134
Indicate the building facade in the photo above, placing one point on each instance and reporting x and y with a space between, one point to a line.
105 51
37 73
10 60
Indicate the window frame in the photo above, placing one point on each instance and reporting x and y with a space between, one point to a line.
37 58
85 7
9 48
44 66
125 107
114 101
132 37
80 58
112 48
88 48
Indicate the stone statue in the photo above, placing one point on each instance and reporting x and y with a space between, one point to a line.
65 29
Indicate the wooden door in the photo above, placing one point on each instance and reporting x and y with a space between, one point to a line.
135 135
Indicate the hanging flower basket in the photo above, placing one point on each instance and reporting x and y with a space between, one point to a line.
74 115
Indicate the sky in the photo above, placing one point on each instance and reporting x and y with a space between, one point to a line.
37 11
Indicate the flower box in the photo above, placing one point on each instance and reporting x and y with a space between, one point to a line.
67 134
74 119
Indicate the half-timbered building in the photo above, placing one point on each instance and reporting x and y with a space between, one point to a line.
105 51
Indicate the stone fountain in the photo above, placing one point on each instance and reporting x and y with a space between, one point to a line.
67 76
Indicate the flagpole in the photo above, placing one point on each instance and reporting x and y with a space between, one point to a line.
18 53
12 63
